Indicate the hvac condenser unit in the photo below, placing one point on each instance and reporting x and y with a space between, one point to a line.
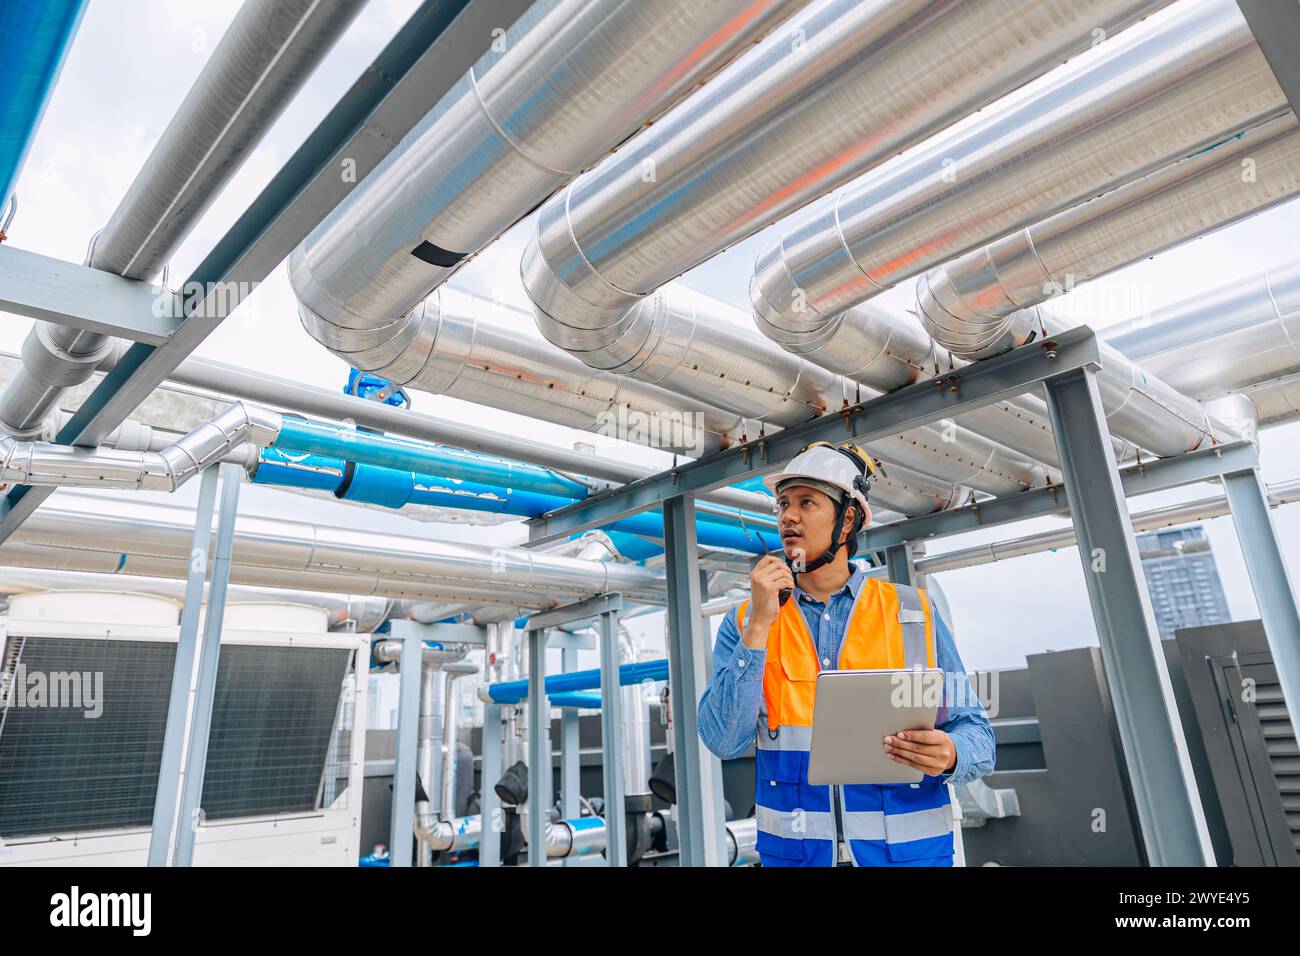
84 709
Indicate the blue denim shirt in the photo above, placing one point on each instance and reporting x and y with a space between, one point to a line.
728 710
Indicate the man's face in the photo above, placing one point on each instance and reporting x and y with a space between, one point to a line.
804 518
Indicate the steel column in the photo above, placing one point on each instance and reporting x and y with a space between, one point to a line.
898 560
700 820
401 841
169 771
1160 774
492 821
1269 578
611 742
541 782
570 753
196 755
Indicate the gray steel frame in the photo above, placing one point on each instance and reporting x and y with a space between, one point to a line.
169 770
205 685
1276 26
540 779
1094 493
52 290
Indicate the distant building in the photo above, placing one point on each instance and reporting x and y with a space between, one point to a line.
1182 578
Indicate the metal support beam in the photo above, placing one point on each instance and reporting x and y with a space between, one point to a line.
401 841
1164 790
920 404
581 611
611 742
541 782
1137 479
431 52
51 290
570 750
1276 26
205 685
1266 565
898 559
700 820
178 705
492 822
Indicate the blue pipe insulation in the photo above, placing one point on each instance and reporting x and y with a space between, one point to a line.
390 451
634 547
514 691
576 698
34 39
393 488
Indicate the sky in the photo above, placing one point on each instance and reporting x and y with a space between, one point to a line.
134 60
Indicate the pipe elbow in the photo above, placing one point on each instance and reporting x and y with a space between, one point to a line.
576 307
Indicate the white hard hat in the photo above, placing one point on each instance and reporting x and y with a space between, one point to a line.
824 463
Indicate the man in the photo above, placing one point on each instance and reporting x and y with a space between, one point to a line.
832 616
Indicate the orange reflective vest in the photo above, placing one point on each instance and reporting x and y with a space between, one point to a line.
890 626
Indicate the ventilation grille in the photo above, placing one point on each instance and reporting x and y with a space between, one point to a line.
274 716
1283 751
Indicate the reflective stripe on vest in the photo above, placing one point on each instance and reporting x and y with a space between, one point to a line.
890 626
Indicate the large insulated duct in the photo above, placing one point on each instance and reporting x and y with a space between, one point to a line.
888 349
490 354
841 87
1236 336
154 540
566 83
1143 102
987 300
696 346
255 71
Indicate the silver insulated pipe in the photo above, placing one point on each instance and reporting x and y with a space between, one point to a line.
987 300
1141 103
96 533
1239 336
695 346
491 354
840 88
264 57
41 463
565 84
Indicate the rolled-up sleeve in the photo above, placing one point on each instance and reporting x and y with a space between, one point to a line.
728 710
967 722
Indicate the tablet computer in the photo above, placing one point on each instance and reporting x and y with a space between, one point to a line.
856 710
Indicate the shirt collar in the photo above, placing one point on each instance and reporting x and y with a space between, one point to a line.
853 585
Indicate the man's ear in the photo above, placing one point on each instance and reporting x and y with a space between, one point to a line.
847 525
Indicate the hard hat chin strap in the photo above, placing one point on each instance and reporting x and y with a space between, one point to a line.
828 555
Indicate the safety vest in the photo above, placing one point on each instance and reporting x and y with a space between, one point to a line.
890 626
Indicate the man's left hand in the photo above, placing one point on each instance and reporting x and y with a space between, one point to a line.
930 751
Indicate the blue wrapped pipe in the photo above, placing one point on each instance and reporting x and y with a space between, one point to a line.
34 39
514 691
393 488
403 454
589 699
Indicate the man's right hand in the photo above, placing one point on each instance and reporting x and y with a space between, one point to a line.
766 581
